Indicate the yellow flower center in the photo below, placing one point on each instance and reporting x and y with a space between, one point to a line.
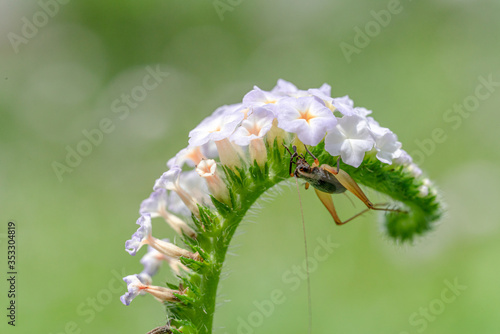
306 115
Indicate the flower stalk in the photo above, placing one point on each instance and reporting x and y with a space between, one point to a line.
250 159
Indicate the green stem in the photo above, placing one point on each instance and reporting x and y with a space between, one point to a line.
217 225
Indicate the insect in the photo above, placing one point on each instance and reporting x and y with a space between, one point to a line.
328 180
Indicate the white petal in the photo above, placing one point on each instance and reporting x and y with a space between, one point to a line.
353 151
353 137
306 117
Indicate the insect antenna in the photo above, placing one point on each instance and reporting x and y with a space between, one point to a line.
309 303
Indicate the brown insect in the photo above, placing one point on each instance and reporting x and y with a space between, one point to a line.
328 180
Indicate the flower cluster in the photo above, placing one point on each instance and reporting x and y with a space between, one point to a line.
288 113
239 135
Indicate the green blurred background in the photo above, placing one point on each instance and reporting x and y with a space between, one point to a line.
63 79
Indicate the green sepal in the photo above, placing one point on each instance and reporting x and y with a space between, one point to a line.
192 264
186 300
191 286
172 286
222 208
201 252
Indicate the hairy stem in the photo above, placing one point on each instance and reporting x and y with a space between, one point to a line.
218 223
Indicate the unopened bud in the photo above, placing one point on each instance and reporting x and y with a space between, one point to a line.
208 170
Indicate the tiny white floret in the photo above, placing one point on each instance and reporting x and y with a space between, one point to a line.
350 139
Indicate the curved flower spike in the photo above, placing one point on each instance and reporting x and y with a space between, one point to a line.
222 190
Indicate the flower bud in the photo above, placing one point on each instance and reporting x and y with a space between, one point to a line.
207 169
227 153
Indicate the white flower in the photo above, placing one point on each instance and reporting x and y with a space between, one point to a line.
197 189
220 125
207 169
145 278
135 287
323 94
387 147
152 261
141 236
251 132
156 206
192 155
255 126
414 170
307 117
259 98
425 188
350 139
170 181
375 128
284 88
325 88
386 142
360 111
402 157
344 105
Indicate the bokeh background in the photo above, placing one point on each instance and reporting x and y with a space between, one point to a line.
62 77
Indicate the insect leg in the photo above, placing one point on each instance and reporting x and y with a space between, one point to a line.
327 201
347 181
351 185
355 216
316 161
286 147
386 209
292 156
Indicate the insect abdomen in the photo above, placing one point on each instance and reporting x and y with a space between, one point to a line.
325 182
